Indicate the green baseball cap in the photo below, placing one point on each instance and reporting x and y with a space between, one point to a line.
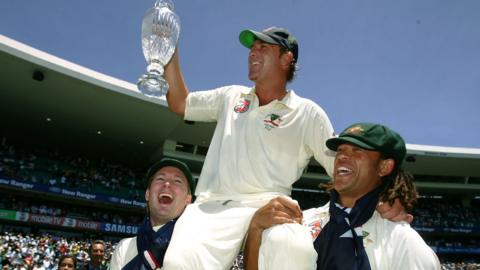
374 137
272 35
166 162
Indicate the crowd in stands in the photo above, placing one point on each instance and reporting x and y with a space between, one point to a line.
62 170
41 252
460 265
21 251
445 213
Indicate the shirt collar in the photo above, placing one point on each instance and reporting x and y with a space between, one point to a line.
290 100
156 228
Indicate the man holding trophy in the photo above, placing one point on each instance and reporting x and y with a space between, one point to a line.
265 137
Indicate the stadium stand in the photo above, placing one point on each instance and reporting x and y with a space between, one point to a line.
446 222
75 145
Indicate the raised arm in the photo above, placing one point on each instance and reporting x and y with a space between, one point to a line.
178 92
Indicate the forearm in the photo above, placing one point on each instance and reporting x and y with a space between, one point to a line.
252 247
279 210
178 91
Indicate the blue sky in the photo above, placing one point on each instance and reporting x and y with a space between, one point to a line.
412 65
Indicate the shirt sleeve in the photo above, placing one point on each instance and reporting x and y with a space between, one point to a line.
205 106
411 251
319 129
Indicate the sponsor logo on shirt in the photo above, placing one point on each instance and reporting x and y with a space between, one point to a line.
272 121
242 106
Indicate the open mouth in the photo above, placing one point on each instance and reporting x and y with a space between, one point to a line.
254 63
343 171
165 199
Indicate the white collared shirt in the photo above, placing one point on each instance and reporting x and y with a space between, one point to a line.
389 245
125 251
258 149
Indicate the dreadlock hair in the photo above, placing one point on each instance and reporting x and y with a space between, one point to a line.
327 186
401 187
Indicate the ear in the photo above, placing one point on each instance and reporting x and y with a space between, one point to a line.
189 198
147 194
386 167
286 59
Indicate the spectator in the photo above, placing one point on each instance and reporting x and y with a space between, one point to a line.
67 262
97 256
6 264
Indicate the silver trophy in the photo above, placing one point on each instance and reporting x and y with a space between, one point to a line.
160 31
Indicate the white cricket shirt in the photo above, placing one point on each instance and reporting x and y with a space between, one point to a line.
258 149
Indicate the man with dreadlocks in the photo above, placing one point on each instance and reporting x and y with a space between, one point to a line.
347 232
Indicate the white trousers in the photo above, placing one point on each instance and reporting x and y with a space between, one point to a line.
210 233
287 246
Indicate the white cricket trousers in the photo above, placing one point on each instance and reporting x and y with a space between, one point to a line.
287 246
210 233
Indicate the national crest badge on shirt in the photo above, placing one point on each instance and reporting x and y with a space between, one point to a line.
315 228
272 121
242 106
316 222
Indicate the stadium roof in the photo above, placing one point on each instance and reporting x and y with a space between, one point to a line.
45 99
60 100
